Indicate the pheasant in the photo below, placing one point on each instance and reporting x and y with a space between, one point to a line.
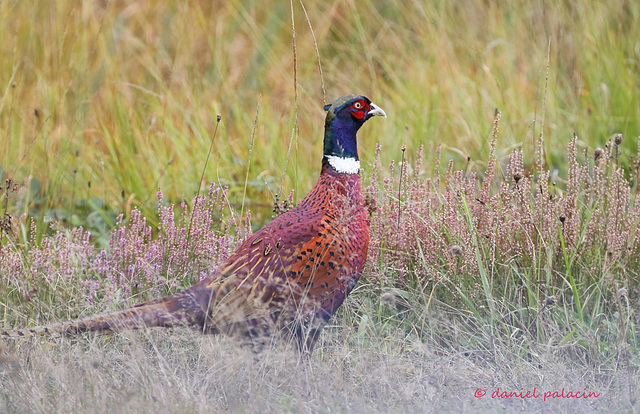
291 275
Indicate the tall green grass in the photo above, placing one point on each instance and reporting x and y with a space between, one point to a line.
103 103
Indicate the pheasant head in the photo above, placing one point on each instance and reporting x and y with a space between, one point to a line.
344 118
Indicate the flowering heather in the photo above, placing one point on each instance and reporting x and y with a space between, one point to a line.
139 259
463 228
471 230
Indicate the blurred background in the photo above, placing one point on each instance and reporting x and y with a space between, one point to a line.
103 103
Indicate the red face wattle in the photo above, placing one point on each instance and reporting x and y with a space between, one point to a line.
359 109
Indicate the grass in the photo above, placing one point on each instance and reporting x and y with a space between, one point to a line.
503 253
184 372
127 95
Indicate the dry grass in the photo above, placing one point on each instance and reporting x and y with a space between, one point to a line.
183 372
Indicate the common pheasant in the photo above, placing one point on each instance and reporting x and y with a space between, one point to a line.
291 275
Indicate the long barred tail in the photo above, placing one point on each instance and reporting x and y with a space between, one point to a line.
149 314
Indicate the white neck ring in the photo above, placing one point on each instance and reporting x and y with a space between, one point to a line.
344 165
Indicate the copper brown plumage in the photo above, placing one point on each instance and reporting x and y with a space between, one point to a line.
291 275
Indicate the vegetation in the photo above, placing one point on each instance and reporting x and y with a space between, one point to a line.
505 249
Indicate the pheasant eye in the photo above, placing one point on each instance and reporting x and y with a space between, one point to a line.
357 105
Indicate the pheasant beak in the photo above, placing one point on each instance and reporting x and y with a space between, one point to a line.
376 110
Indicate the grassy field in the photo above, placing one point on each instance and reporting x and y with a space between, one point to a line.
505 250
